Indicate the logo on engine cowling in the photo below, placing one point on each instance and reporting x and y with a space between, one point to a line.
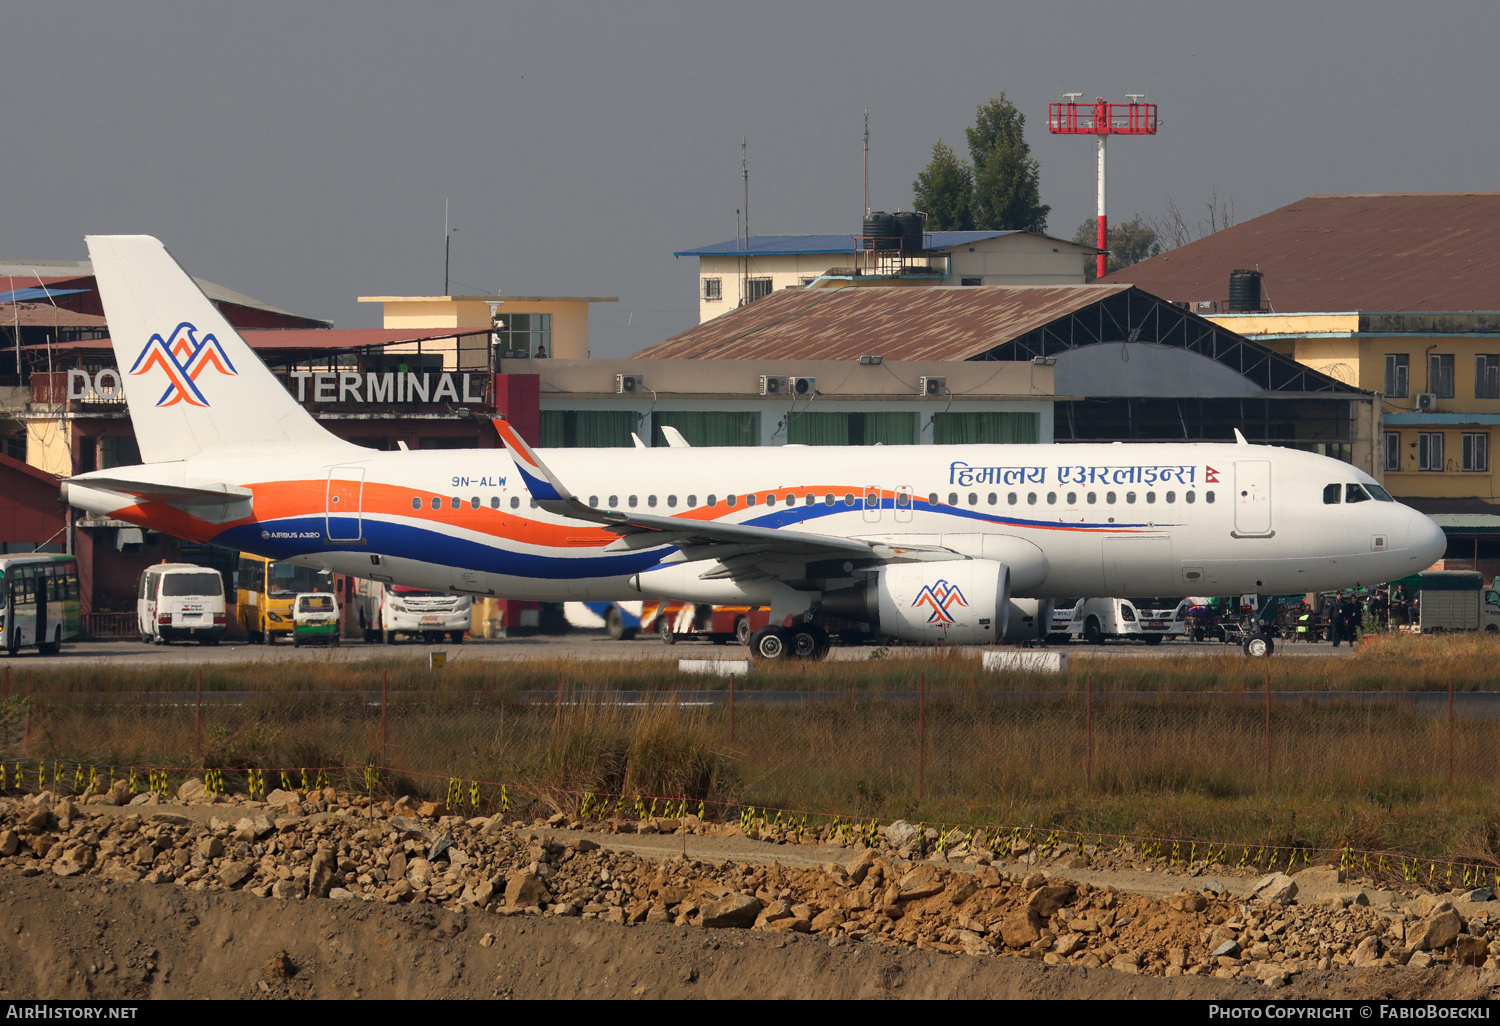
940 596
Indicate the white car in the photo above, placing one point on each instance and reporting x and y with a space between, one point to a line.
1150 620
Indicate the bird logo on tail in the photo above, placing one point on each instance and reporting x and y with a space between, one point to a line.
183 357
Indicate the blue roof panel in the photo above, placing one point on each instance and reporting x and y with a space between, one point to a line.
32 294
796 245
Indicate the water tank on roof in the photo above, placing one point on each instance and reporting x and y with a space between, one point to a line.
880 231
910 229
1244 291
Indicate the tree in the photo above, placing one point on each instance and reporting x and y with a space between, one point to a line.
998 191
1174 231
1130 242
945 191
1007 178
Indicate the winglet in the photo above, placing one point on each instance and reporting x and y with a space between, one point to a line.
540 481
1239 439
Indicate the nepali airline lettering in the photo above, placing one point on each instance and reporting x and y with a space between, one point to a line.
957 544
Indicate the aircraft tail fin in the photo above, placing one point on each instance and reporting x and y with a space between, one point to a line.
194 388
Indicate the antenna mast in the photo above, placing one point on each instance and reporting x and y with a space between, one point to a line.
867 161
745 263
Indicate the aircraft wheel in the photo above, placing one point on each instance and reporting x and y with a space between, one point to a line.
771 643
809 641
1258 646
742 630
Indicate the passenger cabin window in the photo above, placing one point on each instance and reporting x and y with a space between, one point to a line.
515 502
416 502
932 498
903 500
594 501
437 503
1355 493
1331 494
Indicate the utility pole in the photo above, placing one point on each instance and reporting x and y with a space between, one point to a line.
867 162
745 261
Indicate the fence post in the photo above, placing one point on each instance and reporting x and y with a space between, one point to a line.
557 730
731 710
921 734
30 709
1268 728
385 683
1088 730
198 715
1450 732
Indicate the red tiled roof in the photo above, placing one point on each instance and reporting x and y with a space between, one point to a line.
1380 252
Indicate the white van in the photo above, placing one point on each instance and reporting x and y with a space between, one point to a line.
1150 620
180 602
386 611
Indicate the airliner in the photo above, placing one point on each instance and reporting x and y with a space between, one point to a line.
948 544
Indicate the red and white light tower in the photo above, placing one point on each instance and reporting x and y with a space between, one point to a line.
1102 120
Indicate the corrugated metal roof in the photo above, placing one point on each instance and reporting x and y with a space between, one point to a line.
1391 252
35 272
927 323
46 315
318 339
796 245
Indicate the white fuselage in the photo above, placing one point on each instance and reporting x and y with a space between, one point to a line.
1106 520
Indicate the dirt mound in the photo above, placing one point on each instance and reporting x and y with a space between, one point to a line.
320 894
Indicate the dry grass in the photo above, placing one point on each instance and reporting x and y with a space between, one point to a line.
1169 746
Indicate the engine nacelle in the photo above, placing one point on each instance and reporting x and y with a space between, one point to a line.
952 602
1030 620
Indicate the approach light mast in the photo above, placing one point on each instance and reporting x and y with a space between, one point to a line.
1102 120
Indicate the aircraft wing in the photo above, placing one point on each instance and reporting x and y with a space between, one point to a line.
176 495
698 539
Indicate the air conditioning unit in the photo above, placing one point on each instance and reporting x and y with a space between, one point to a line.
802 386
933 386
630 384
1424 402
771 384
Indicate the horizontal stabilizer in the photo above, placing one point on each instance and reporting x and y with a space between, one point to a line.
176 495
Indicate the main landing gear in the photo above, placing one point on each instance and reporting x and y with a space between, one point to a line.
803 641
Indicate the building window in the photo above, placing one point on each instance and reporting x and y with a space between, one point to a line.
708 427
1393 450
984 428
890 428
524 335
1486 376
587 429
1397 375
971 281
806 282
757 288
1476 450
1430 450
713 289
1440 375
118 451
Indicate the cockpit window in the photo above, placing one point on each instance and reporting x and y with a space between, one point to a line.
1331 494
1355 493
1381 495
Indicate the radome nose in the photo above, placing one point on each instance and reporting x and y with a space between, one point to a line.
1425 541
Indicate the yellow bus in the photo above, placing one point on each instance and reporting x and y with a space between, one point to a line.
264 593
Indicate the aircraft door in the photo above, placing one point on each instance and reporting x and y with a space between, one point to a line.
872 504
903 504
345 522
1252 498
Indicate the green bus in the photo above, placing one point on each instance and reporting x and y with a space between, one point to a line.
41 606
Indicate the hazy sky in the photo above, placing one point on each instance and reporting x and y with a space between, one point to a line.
301 151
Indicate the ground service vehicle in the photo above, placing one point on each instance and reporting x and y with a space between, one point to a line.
265 593
315 619
922 543
180 602
1456 600
40 596
1142 619
390 611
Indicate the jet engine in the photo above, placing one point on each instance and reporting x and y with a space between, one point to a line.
954 602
